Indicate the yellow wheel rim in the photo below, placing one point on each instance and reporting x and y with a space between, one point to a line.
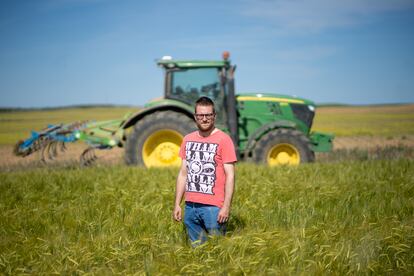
283 154
161 149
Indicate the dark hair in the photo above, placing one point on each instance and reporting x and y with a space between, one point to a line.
204 101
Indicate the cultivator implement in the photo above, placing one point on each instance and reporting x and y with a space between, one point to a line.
53 139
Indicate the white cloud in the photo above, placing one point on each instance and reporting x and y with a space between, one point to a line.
318 15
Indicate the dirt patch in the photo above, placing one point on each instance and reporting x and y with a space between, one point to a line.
367 142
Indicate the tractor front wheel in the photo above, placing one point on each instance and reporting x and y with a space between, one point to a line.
283 147
155 140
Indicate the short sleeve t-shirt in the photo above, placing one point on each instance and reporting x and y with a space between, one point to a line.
205 157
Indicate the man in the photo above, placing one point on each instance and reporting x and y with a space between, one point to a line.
206 176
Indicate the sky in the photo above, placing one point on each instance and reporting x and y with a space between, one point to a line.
79 52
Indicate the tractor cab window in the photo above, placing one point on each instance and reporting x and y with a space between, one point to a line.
191 84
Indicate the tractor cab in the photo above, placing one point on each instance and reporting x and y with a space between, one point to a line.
187 81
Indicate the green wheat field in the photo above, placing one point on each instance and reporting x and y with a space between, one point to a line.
353 215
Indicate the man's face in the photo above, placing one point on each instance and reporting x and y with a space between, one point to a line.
205 117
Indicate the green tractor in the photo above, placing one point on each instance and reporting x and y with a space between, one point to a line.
266 128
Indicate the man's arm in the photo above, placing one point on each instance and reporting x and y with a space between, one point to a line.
224 213
179 190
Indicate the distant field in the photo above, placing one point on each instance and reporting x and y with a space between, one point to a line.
393 120
388 121
17 125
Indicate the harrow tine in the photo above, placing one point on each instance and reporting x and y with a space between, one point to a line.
62 147
43 141
49 150
94 157
38 144
17 151
82 158
43 147
53 149
88 157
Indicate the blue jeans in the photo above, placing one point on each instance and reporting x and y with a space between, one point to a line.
201 221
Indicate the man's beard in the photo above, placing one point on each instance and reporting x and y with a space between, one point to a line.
204 129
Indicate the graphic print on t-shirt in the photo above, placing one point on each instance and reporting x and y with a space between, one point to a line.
201 167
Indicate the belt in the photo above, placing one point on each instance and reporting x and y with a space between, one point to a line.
196 204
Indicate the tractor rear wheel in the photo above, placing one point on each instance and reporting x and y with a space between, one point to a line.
155 140
283 147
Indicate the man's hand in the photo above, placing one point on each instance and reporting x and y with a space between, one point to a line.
179 191
177 213
223 215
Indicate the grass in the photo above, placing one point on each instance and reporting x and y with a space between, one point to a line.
337 218
352 212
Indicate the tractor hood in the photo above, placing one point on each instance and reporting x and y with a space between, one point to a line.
268 97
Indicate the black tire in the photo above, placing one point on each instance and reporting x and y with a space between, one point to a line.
294 146
150 124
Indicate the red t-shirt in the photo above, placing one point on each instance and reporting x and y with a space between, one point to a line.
205 158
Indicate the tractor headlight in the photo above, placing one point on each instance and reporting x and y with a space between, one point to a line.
77 135
311 108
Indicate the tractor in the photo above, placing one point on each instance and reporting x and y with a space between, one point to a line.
266 128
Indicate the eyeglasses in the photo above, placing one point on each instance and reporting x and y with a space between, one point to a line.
201 116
